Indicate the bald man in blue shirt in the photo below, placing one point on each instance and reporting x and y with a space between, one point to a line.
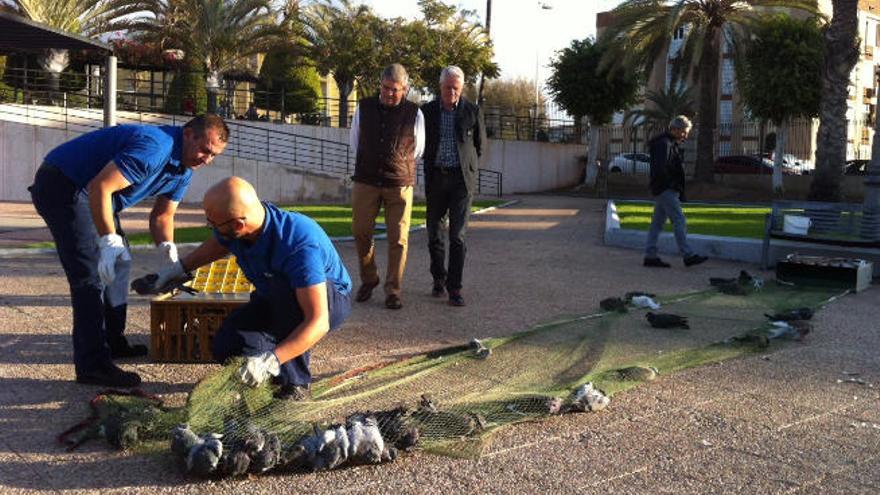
302 289
80 190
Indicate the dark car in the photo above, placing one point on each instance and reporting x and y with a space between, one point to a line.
856 167
746 164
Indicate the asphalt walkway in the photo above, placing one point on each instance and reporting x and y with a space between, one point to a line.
779 423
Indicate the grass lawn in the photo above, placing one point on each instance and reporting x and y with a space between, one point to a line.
335 219
721 220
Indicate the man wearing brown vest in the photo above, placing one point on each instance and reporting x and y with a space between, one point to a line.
387 137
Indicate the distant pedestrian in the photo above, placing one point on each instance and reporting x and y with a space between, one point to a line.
667 186
387 137
455 138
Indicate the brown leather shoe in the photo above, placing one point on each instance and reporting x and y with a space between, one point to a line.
365 292
393 302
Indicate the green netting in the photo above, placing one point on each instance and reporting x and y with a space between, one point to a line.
451 401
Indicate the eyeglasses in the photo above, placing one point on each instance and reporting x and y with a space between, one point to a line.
216 226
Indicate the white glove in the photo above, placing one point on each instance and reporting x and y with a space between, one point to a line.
112 246
169 272
257 369
169 252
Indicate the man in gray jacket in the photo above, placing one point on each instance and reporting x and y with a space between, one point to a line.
455 138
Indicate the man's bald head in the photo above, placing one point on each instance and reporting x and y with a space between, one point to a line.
232 199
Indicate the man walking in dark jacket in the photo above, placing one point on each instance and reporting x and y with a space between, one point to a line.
667 186
455 138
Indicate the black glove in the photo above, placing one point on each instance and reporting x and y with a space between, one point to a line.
167 279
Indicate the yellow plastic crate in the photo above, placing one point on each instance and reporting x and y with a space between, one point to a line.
223 276
182 326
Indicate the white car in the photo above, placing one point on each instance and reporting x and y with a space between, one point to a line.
630 164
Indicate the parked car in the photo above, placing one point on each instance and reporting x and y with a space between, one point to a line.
742 164
794 164
630 163
856 167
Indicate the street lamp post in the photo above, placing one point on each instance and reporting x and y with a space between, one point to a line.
541 6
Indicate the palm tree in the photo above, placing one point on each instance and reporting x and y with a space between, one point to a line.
663 106
346 41
88 18
642 30
842 53
220 34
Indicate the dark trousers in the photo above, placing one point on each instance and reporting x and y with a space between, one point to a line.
98 311
447 195
263 322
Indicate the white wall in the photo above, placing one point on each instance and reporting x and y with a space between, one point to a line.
27 133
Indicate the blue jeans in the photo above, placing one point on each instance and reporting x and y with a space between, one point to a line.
263 322
667 205
98 310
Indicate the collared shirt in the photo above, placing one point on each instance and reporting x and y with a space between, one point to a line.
447 151
293 246
419 133
147 156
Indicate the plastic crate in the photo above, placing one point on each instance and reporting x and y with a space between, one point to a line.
183 325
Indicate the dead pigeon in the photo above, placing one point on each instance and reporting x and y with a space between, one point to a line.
268 456
630 295
120 433
480 350
750 339
613 304
589 398
426 404
638 373
667 320
732 289
365 440
793 329
791 314
644 302
204 457
183 440
234 463
553 405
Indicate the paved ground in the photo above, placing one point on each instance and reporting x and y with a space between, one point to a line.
774 424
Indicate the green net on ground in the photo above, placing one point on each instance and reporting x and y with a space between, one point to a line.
451 401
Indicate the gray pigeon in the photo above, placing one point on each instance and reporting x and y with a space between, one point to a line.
638 373
792 329
234 463
268 456
613 304
334 450
666 320
791 314
553 405
480 351
408 440
183 440
365 440
630 295
205 456
426 404
589 398
121 434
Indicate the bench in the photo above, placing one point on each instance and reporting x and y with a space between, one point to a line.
831 224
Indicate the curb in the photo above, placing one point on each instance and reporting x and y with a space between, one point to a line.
7 252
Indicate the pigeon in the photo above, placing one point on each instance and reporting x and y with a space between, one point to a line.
666 320
750 339
793 329
480 351
738 286
791 314
268 456
408 440
183 440
638 373
304 454
629 296
717 281
204 457
746 279
426 404
644 302
589 398
234 463
121 434
553 405
613 304
732 289
334 451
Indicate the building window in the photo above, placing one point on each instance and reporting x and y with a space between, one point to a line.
728 77
725 112
724 148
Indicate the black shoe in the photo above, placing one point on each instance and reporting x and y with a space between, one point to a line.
121 349
110 376
293 392
455 298
694 259
393 302
439 288
656 262
365 292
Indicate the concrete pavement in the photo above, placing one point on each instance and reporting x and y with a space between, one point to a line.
762 424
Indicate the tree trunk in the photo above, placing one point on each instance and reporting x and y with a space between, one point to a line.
345 89
212 85
841 55
708 113
54 62
779 155
592 155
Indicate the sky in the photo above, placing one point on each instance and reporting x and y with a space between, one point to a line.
521 30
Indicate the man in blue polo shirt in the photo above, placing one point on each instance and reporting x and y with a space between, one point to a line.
79 191
302 289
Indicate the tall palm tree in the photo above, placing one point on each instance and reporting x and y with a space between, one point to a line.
841 55
641 31
83 17
663 106
220 34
